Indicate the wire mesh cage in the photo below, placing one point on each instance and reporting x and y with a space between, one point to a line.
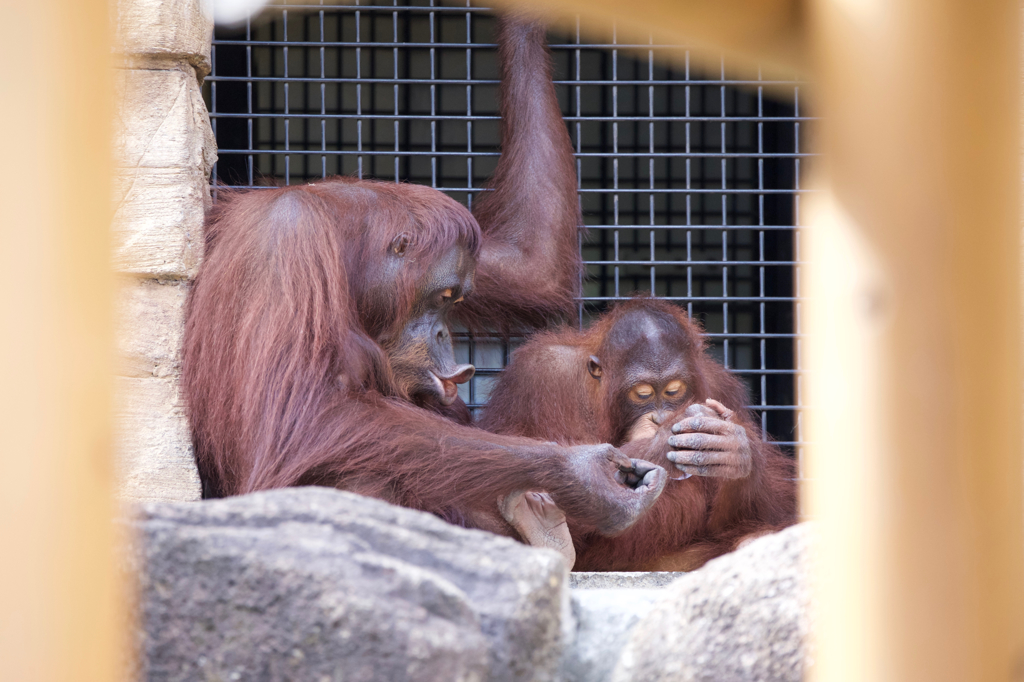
689 181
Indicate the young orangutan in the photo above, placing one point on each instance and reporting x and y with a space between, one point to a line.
639 378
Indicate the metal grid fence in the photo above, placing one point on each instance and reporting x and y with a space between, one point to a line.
689 181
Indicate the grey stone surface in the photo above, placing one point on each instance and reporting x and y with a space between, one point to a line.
621 580
604 618
150 322
152 442
742 617
177 29
318 584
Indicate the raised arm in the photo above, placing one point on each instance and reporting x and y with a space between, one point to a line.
529 267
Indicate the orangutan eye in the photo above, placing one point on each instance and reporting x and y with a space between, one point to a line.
400 243
642 392
447 295
674 387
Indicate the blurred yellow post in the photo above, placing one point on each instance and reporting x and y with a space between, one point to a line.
58 605
914 323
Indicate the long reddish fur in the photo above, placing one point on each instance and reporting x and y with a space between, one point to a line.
284 378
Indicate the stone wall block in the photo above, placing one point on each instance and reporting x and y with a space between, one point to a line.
151 319
163 119
158 221
153 444
165 149
166 28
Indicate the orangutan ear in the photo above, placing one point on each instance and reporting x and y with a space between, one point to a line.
594 367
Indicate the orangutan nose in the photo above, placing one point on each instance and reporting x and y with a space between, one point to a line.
659 417
460 375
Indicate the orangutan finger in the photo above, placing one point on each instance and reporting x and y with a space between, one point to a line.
699 410
712 425
701 441
723 411
710 470
640 475
703 471
704 458
616 457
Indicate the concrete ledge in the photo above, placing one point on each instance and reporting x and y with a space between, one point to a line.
606 607
604 619
634 580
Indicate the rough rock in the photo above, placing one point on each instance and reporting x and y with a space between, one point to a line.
318 584
744 617
152 442
166 29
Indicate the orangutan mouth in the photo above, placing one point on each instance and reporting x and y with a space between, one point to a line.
446 389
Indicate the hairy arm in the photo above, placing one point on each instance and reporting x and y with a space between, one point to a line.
413 457
529 267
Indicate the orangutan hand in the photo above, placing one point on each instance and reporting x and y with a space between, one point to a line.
609 491
710 443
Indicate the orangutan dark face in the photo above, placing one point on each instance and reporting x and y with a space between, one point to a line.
421 353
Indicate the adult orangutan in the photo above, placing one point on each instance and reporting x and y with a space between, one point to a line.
317 348
640 378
